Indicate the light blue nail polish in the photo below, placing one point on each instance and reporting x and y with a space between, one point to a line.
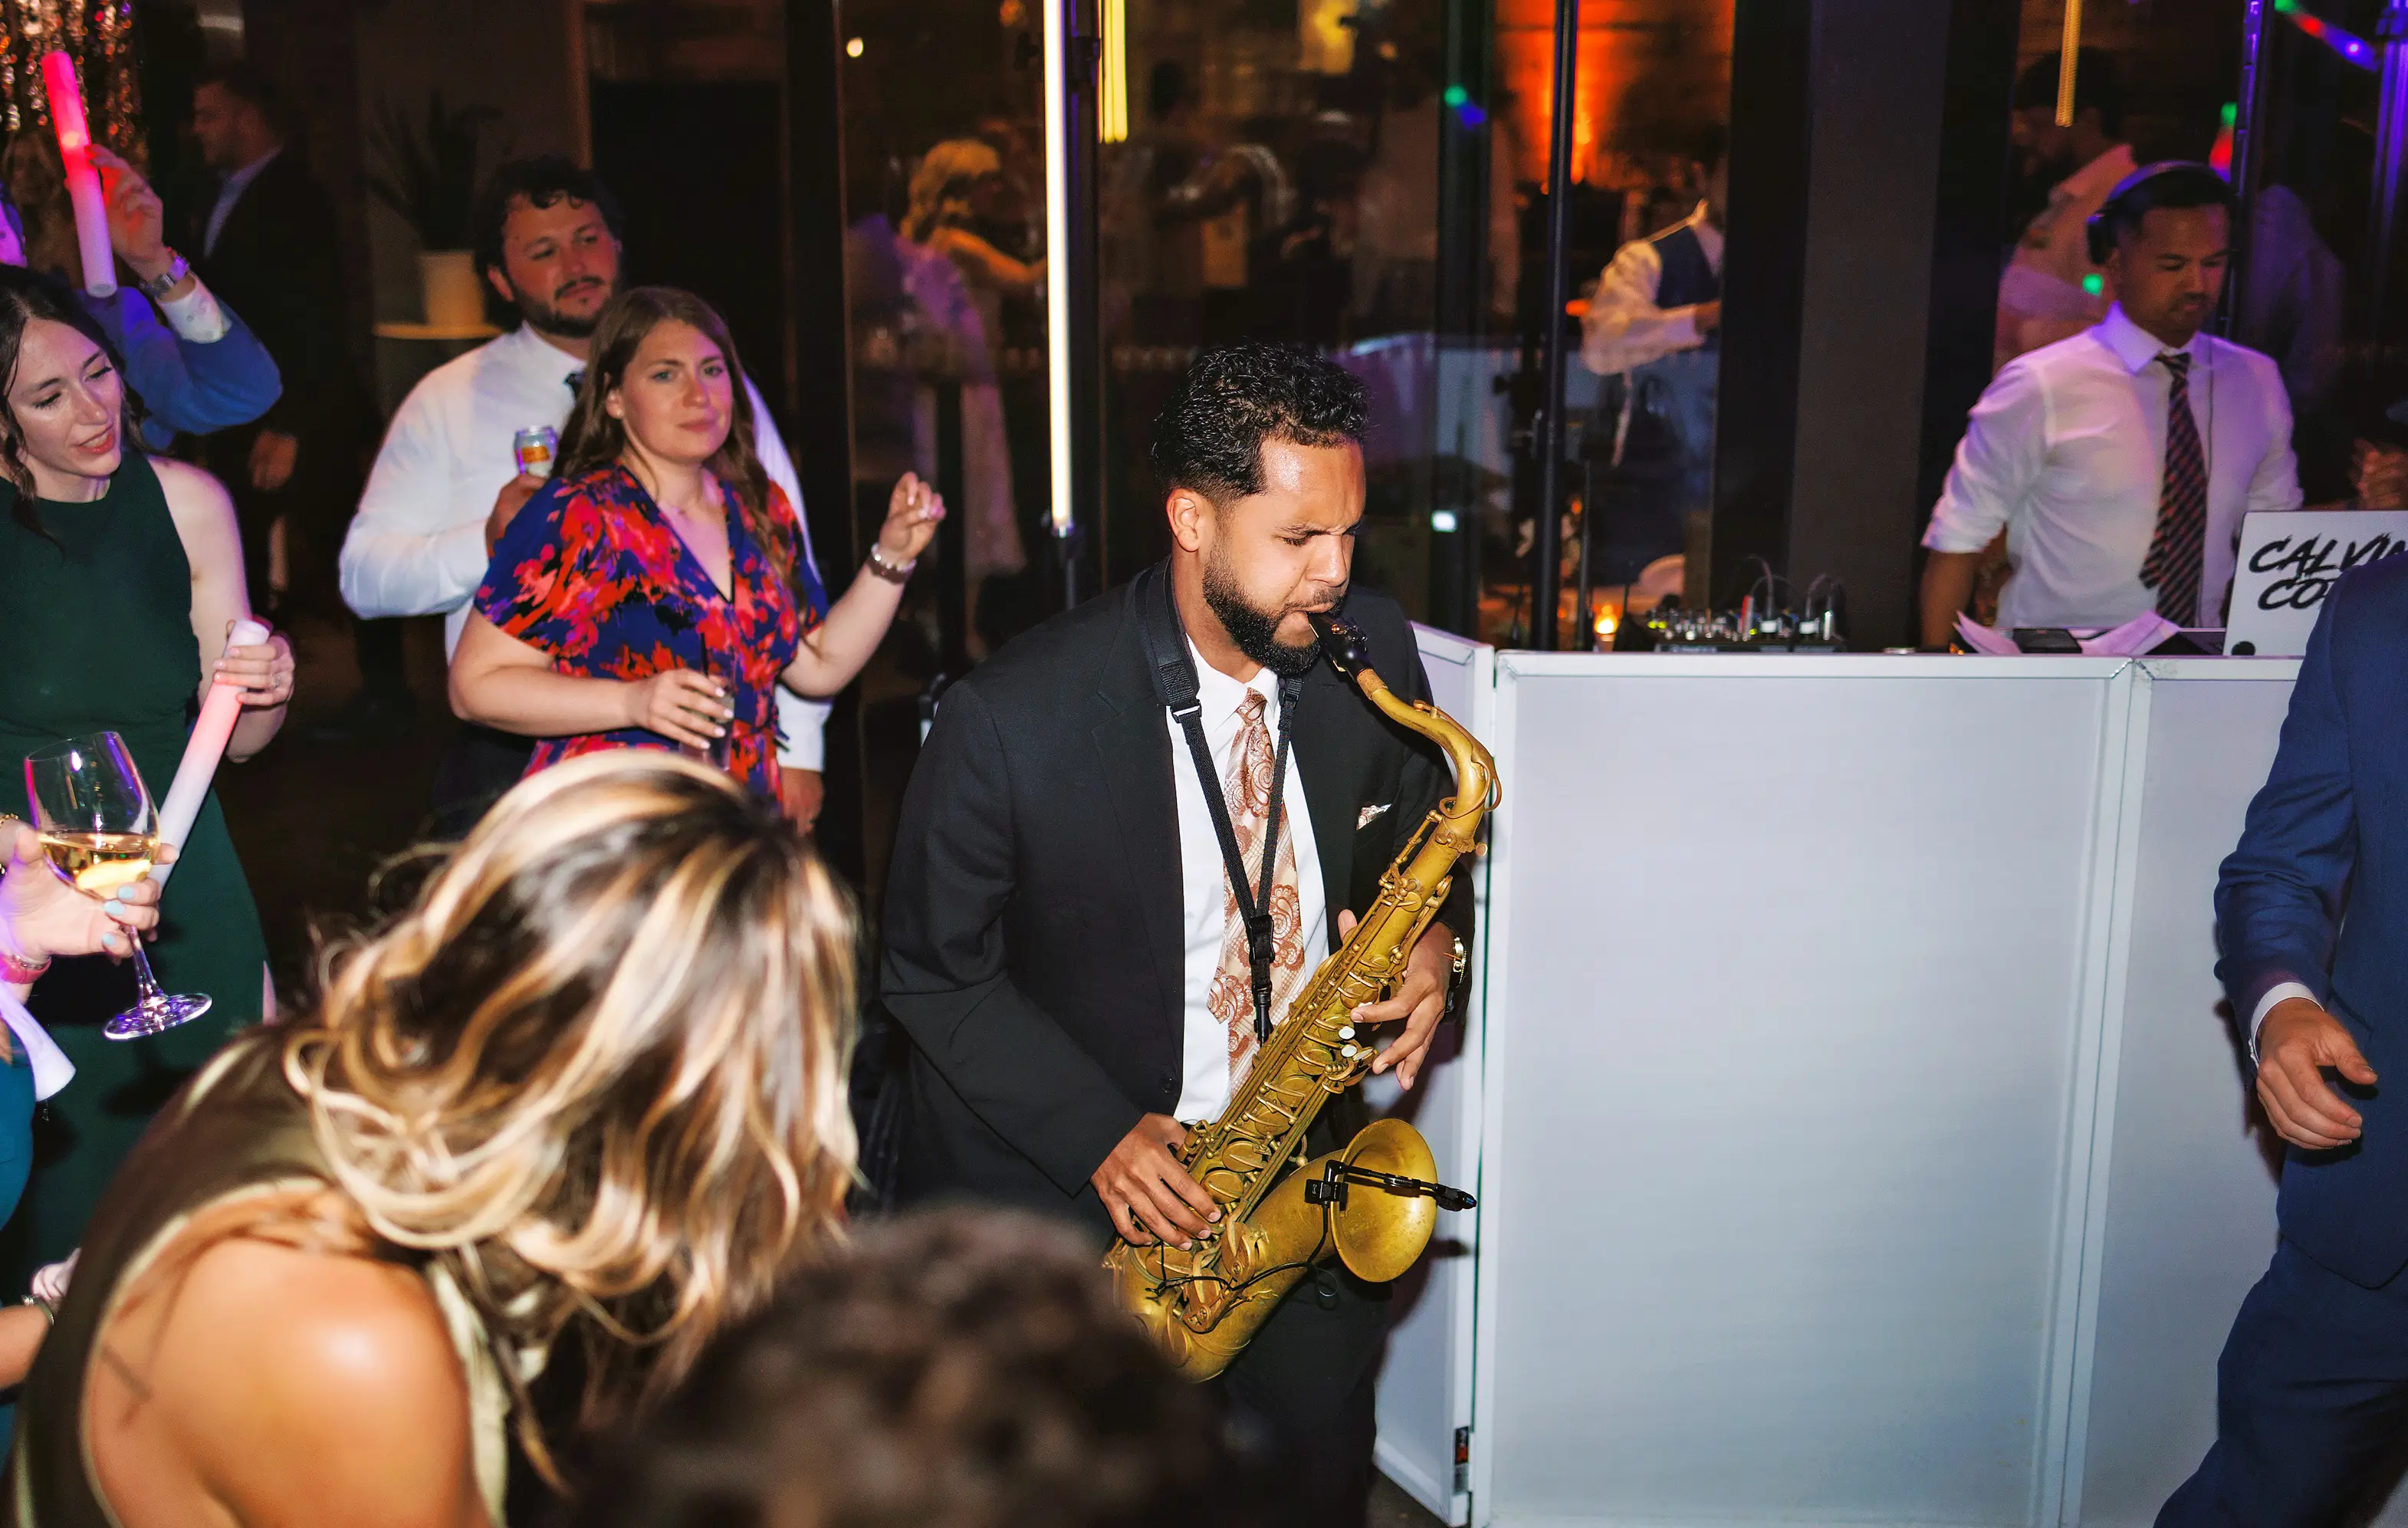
113 908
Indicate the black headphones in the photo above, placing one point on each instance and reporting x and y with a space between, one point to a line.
2099 228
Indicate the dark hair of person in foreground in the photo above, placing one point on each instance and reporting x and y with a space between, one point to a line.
958 1368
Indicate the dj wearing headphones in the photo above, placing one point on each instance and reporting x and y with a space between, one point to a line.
2119 461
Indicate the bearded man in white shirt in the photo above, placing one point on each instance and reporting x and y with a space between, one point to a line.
446 481
2120 462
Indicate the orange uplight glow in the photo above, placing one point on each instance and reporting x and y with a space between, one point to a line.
1609 620
1651 73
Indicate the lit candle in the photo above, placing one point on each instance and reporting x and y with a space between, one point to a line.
83 181
202 751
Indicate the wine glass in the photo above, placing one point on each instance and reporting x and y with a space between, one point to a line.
100 833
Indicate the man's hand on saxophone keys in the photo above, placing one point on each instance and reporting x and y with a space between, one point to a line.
1419 1001
1146 1189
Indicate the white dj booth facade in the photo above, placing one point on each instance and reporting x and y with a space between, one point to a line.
1859 1136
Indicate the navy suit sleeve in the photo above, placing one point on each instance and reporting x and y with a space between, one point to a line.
2278 901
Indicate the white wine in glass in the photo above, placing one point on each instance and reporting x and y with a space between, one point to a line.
100 832
102 863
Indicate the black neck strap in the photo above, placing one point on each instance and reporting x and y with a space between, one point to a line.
1173 671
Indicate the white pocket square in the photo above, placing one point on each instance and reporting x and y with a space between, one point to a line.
1363 820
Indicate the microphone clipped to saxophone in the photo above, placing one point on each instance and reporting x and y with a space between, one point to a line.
1373 1204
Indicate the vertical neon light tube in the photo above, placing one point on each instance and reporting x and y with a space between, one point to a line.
2067 51
1112 125
1057 248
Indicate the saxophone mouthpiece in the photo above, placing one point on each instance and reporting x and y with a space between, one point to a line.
1342 643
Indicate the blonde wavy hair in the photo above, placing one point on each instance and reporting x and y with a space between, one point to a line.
596 1069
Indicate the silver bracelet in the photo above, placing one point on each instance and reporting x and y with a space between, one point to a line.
891 572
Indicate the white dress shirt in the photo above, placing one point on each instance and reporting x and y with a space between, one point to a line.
2066 450
1204 877
1622 327
417 545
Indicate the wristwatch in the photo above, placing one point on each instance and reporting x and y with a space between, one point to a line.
178 268
1462 958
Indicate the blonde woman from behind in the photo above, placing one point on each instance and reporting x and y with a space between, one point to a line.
587 1089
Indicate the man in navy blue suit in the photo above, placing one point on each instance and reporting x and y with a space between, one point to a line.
2313 1387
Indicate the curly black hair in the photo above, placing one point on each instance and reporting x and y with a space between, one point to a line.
959 1368
1209 436
542 179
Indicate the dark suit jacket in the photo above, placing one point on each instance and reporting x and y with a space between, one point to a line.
278 264
2327 831
1033 929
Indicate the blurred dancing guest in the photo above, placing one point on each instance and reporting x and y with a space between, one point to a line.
2052 289
960 1368
586 1090
125 578
2117 463
269 246
957 188
654 594
1655 326
201 369
446 481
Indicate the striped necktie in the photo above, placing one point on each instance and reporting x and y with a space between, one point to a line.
2178 551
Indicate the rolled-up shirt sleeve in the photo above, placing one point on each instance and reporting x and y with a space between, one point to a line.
1622 327
410 550
2004 448
2275 485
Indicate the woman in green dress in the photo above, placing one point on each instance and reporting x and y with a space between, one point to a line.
121 578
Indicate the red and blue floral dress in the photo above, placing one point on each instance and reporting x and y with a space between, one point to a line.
591 573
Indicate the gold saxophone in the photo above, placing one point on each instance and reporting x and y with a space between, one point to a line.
1372 1204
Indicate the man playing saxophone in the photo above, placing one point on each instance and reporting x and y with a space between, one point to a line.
1066 944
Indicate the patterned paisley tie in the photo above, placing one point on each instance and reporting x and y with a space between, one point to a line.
1248 791
2178 551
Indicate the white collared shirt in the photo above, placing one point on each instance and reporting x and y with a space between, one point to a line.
1204 877
230 192
2067 451
1622 327
417 545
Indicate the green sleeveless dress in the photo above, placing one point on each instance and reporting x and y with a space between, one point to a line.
96 635
240 1129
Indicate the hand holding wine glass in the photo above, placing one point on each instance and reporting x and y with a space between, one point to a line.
42 915
101 835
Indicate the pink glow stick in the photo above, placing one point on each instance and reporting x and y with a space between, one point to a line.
83 181
202 751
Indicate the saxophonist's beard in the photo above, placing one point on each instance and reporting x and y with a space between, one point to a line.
1255 632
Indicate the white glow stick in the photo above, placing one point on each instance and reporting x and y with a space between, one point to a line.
51 1068
202 751
83 181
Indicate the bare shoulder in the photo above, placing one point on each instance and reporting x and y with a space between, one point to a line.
293 1384
197 499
